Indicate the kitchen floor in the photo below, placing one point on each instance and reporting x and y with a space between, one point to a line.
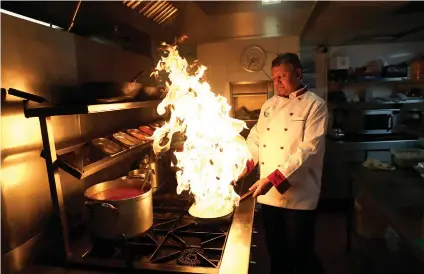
330 247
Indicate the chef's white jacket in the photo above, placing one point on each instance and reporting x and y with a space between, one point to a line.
288 142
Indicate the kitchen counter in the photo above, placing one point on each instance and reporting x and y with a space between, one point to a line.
399 197
236 256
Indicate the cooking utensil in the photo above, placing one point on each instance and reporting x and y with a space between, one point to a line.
215 220
108 92
152 93
225 217
110 218
146 178
247 194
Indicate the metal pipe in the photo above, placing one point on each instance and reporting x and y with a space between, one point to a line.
147 6
130 3
163 14
161 10
156 9
136 4
169 15
151 10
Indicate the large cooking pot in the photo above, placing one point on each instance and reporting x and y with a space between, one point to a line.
116 208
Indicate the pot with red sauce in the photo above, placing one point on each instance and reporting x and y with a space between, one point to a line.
119 207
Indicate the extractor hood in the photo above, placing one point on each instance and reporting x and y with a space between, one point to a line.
160 12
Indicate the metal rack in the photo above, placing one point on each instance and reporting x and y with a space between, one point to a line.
35 106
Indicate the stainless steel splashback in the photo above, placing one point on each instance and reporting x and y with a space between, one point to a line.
36 59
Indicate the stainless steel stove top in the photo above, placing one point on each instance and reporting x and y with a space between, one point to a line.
175 243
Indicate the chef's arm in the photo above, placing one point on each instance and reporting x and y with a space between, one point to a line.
314 142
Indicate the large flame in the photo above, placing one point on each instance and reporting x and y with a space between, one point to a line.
215 153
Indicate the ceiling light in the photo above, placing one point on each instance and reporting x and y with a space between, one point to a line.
268 2
29 19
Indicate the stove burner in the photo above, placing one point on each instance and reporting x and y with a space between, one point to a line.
174 239
191 256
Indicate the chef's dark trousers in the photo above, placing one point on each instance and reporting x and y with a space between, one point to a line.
289 237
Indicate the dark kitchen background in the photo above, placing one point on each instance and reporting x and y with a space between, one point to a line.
359 56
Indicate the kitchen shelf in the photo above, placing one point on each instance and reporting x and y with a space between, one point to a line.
80 161
407 130
400 80
33 109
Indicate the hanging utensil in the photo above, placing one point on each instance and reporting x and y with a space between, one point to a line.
137 76
148 174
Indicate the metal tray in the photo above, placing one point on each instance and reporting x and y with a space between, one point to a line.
123 139
146 130
107 146
138 134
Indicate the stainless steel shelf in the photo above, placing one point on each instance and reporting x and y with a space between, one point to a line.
400 80
73 163
32 109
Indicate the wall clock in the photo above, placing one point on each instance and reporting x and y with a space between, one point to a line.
253 59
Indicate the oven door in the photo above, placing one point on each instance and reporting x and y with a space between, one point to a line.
370 121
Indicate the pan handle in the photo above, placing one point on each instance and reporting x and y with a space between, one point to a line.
26 95
247 194
91 204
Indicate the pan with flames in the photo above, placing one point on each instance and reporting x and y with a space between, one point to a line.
214 153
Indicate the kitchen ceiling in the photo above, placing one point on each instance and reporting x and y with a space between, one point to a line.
102 17
347 23
316 22
208 21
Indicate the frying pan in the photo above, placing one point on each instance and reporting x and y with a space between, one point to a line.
220 219
111 92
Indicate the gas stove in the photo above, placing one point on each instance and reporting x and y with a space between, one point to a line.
175 243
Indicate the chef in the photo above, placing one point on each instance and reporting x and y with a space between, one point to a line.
288 143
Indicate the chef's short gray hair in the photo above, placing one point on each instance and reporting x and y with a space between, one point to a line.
287 58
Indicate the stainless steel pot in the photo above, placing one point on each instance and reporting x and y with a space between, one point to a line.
111 218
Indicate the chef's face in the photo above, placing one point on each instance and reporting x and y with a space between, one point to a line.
286 79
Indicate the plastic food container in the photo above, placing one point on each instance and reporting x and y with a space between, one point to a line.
407 158
107 146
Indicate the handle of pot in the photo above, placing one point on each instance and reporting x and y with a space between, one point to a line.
26 95
90 204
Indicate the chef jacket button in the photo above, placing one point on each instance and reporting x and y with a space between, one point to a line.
263 163
264 145
281 147
267 128
279 165
285 129
291 113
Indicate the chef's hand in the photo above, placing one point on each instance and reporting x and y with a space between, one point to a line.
262 186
